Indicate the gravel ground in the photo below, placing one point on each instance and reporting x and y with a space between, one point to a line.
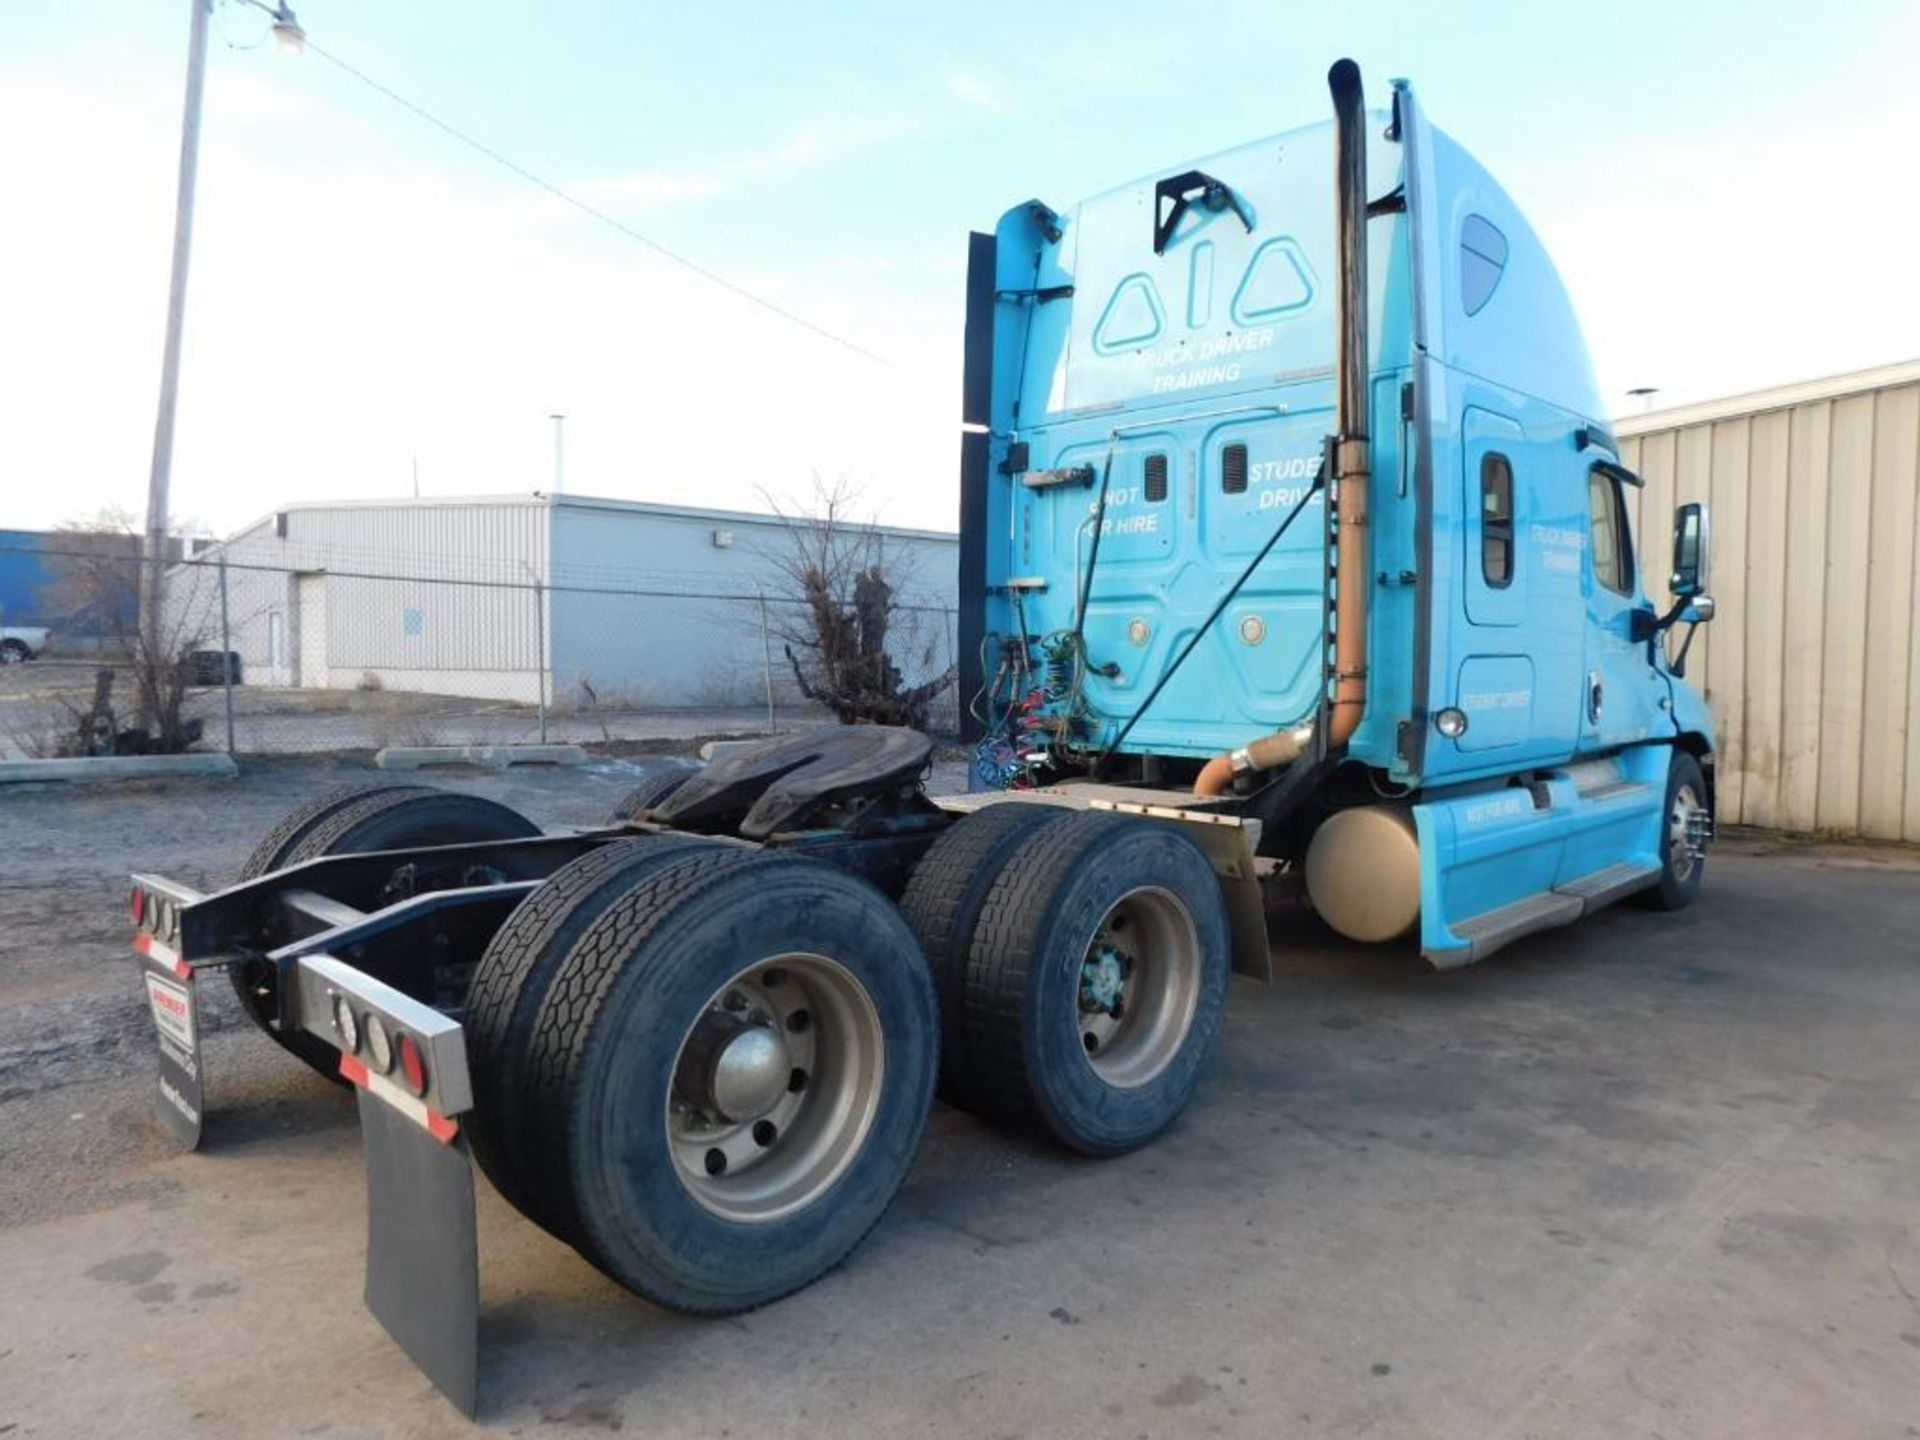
1652 1176
38 700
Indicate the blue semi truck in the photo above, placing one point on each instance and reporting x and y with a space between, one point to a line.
1295 551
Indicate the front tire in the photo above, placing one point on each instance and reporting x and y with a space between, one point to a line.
14 652
1683 866
735 1067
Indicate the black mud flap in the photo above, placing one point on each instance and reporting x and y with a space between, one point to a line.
176 1022
423 1260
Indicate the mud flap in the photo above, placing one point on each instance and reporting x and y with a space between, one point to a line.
423 1261
176 1023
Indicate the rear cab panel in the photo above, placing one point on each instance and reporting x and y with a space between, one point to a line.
1202 375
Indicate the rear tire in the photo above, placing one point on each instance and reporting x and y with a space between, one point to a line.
251 984
659 778
942 903
637 1040
510 985
1096 981
353 820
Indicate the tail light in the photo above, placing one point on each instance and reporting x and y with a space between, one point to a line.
137 906
413 1064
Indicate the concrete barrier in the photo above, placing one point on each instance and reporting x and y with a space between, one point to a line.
491 757
209 765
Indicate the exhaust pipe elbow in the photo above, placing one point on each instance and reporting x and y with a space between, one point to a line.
1269 752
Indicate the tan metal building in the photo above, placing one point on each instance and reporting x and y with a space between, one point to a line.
1813 663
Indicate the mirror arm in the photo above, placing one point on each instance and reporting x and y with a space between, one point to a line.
1678 665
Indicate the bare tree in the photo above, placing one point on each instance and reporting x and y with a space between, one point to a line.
96 588
841 620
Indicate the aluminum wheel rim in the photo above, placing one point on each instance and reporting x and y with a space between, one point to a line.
1679 843
766 1163
1160 990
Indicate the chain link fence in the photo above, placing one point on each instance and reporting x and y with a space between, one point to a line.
280 661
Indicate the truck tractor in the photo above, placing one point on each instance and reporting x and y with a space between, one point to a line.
1294 549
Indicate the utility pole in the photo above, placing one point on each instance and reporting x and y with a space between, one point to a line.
559 452
154 552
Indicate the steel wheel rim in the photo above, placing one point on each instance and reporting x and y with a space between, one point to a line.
1679 845
1153 932
806 1015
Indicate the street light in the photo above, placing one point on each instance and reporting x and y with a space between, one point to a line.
287 31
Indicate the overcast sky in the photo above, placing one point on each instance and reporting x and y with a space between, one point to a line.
1728 189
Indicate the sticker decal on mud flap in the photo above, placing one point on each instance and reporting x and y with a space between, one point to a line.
176 1026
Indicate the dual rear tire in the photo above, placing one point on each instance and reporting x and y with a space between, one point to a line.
355 819
705 1067
1082 959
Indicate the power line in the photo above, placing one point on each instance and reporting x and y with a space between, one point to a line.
598 214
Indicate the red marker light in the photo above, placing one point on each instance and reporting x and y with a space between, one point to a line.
413 1065
137 906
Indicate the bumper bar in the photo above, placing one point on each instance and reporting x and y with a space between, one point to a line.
408 1064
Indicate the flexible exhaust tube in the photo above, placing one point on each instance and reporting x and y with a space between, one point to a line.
1351 461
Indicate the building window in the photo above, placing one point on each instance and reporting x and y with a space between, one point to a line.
1233 470
276 640
1607 519
1156 481
1496 521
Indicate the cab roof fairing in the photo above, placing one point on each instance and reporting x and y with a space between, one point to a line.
1096 322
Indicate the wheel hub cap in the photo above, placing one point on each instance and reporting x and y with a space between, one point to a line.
1103 980
750 1074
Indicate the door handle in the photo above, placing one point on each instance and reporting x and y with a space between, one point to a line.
1596 695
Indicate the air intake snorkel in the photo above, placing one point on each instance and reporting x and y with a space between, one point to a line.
1348 459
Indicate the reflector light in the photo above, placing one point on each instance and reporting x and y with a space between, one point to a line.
137 905
413 1065
345 1024
379 1045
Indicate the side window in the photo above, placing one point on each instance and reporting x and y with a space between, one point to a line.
1496 521
1483 260
1607 520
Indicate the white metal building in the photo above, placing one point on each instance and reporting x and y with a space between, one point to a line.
1813 662
607 601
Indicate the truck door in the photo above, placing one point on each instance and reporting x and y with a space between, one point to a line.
1622 691
1496 585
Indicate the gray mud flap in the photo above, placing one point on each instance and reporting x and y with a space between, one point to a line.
423 1260
408 1063
176 1022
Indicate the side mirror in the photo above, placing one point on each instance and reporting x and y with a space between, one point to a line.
1690 535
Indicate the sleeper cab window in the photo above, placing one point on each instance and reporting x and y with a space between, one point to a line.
1607 519
1233 470
1496 520
1155 480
